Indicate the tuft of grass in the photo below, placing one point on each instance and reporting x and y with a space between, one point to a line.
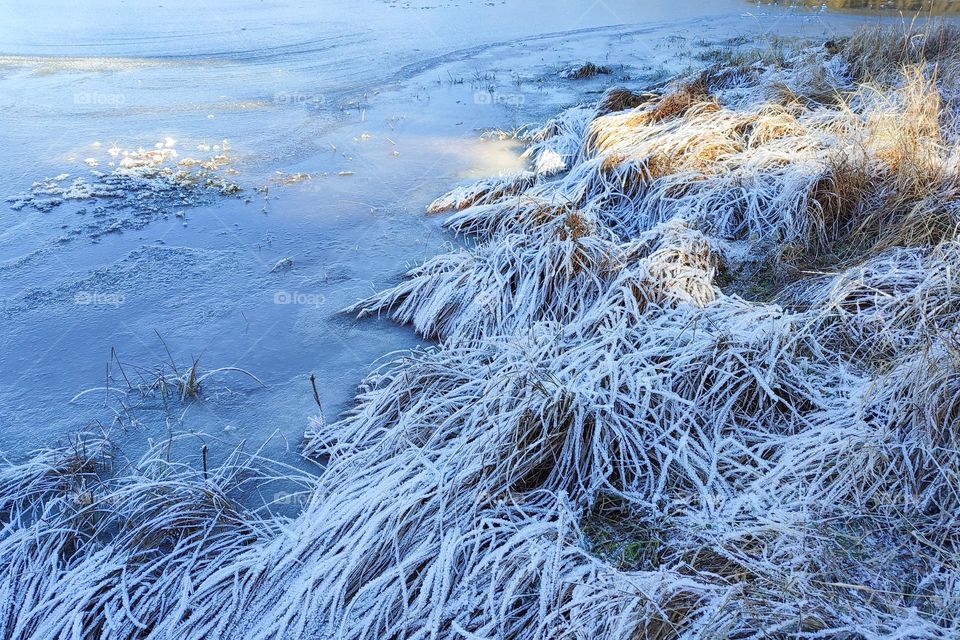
625 539
878 54
588 70
618 99
682 100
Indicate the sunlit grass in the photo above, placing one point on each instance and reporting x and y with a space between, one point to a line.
926 7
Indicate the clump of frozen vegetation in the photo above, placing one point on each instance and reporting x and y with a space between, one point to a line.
585 70
150 180
699 378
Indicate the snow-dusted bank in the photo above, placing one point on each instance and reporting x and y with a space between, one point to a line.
700 378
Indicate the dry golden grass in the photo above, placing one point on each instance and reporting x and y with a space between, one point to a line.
620 99
680 101
838 196
774 123
879 54
892 185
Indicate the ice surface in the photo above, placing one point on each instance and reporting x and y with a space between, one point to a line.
344 120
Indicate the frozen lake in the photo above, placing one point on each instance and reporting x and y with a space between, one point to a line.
212 181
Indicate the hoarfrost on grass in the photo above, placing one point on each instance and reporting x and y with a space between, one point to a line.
608 441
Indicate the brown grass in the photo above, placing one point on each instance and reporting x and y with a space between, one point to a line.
889 186
620 99
575 227
589 70
879 54
838 196
679 102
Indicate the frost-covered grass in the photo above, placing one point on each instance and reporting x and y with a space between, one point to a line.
607 441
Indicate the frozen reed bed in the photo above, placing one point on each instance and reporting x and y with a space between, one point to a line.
699 378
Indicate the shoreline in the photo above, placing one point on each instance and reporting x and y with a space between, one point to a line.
131 258
495 458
